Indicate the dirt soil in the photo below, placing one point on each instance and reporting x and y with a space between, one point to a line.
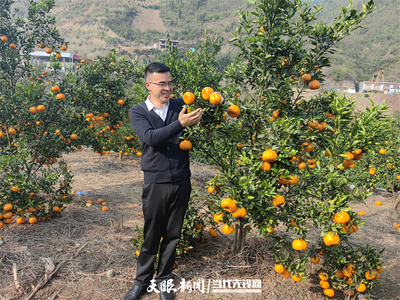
85 243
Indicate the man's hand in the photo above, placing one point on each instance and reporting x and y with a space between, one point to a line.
191 118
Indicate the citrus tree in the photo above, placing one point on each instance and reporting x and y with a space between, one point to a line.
283 157
33 184
379 167
47 113
104 90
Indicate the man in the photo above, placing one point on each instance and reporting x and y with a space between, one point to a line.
159 124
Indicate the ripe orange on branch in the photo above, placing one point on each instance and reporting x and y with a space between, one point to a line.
229 204
306 78
233 111
188 98
33 110
269 155
55 89
278 200
341 217
206 92
239 213
299 244
217 217
265 166
215 99
314 85
331 239
228 229
308 147
185 145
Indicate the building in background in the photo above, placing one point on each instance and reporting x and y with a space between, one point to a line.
69 61
386 88
163 44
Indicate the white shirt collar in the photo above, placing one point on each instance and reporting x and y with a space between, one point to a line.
151 106
162 113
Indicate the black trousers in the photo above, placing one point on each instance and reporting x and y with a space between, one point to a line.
164 208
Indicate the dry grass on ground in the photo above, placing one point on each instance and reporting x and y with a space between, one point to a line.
86 243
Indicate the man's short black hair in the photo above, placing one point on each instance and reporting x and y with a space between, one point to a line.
155 67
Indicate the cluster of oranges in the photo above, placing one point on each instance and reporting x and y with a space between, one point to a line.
230 206
7 215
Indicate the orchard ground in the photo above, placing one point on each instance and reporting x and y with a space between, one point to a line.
91 242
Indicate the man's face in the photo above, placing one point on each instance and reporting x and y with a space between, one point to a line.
160 87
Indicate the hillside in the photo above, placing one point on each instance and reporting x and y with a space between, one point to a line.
92 27
370 49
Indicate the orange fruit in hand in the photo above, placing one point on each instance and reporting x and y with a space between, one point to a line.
188 98
206 92
215 99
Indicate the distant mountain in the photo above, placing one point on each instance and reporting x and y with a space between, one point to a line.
370 49
92 27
